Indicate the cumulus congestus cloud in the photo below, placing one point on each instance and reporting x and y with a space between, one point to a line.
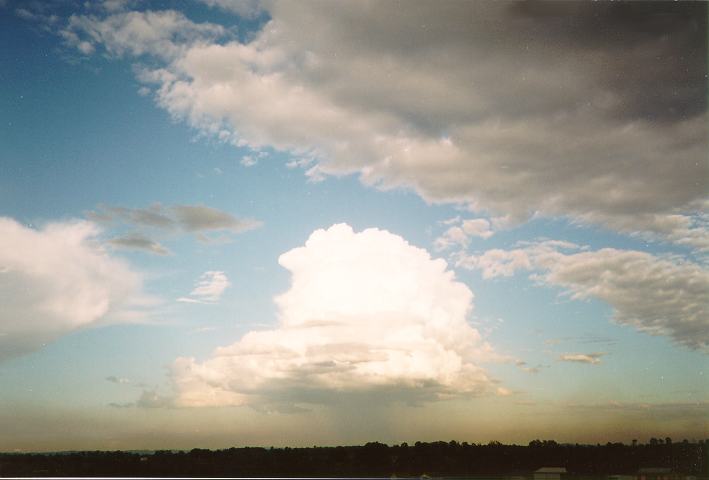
366 312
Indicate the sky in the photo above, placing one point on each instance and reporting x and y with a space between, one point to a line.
324 223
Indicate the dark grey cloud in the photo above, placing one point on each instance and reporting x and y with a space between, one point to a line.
198 218
652 55
188 218
152 216
137 241
591 111
157 219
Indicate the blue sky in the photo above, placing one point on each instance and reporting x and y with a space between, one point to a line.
313 167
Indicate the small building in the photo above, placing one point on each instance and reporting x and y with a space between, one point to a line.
656 473
621 477
550 473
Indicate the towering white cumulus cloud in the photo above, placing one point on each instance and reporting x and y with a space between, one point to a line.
56 280
365 312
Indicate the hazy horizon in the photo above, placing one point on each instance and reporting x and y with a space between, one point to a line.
269 223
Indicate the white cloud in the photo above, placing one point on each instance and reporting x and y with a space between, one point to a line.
58 279
248 161
166 34
116 5
460 232
244 8
454 236
591 358
25 14
564 126
504 392
496 262
152 399
477 227
365 312
209 288
86 48
299 163
657 295
652 294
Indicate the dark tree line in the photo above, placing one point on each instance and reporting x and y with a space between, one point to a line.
372 459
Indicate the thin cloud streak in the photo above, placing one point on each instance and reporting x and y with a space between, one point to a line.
590 358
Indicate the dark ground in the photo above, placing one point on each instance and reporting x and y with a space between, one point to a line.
373 459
